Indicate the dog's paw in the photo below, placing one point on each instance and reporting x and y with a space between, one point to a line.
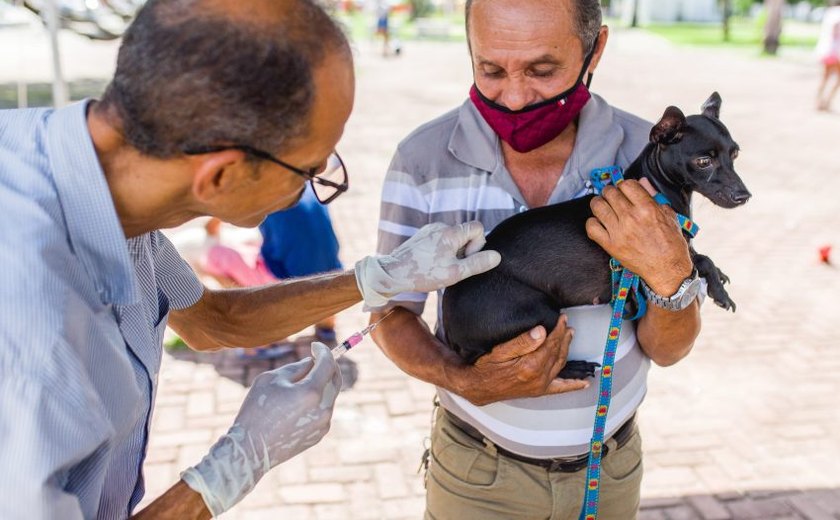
721 298
726 304
578 370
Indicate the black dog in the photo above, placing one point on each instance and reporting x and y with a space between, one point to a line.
549 263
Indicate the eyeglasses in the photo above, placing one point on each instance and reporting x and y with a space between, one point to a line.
327 183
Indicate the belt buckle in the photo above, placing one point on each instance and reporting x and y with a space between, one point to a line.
568 465
556 465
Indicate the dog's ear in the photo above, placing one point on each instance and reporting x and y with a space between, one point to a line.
711 108
668 129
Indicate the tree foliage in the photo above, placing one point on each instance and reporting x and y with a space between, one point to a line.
421 8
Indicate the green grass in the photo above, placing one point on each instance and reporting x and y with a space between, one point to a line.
743 33
40 94
175 343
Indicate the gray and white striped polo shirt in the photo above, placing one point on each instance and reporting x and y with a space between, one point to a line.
451 170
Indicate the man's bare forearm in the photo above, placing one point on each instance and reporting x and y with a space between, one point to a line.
254 316
180 502
668 336
407 341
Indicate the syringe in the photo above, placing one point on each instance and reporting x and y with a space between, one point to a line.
356 338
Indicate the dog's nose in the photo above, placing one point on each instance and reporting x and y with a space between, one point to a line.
741 197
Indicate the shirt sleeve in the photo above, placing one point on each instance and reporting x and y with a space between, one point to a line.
403 211
50 441
174 275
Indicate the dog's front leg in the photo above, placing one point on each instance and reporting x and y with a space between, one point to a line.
715 278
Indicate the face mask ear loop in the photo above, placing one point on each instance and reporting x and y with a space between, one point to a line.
588 60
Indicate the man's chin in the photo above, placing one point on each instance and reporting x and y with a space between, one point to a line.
257 219
297 199
251 221
287 203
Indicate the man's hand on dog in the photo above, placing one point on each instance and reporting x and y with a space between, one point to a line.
525 366
641 234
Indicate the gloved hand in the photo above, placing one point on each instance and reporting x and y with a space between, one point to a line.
286 411
437 256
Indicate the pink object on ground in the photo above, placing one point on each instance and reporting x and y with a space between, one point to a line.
825 254
243 265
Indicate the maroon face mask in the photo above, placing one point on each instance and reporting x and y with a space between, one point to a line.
535 125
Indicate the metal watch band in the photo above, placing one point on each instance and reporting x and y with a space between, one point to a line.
675 302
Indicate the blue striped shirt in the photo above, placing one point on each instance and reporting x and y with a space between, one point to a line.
82 315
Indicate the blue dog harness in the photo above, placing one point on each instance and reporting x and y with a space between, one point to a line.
623 281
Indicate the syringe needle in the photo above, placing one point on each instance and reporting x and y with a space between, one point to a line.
356 338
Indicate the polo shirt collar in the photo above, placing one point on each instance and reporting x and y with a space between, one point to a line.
93 227
473 142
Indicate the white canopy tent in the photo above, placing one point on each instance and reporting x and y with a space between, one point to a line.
669 11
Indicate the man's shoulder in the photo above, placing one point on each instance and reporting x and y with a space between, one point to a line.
631 122
633 126
429 142
24 164
636 129
21 118
438 130
22 132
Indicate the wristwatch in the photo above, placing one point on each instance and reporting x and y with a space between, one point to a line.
681 299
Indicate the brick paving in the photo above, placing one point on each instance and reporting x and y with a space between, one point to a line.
745 428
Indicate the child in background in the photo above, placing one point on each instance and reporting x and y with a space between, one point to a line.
828 51
279 257
285 258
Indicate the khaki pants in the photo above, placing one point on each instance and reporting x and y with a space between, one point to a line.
467 480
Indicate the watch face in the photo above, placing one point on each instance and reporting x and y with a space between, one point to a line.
689 294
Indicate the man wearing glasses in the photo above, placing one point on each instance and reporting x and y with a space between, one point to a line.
223 108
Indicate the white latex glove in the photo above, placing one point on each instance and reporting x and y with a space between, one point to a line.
286 411
437 256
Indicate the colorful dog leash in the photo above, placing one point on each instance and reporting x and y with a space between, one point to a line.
623 281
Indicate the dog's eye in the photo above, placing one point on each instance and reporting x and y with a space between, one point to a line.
703 162
735 154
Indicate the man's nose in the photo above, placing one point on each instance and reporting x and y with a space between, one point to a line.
516 96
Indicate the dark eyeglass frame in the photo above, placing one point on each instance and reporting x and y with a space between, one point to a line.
311 175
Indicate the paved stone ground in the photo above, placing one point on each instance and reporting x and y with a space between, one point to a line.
746 427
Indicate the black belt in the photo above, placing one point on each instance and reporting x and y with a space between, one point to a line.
562 465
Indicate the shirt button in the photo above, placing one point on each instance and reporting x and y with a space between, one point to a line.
522 209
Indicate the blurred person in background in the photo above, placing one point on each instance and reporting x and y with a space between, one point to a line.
283 232
828 51
298 241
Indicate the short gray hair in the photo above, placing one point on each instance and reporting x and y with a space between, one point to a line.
189 77
588 20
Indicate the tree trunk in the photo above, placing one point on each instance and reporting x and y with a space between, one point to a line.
727 14
773 28
634 20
